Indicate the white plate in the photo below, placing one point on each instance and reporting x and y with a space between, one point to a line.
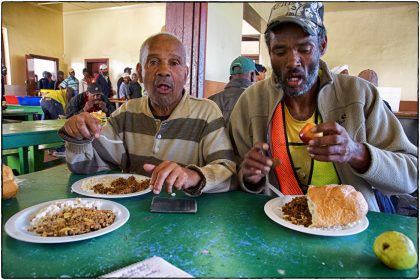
273 210
77 186
17 225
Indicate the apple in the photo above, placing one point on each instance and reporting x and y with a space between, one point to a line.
306 134
395 250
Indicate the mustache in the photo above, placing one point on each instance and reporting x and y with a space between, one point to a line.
163 81
294 72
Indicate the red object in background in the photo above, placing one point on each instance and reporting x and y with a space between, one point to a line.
11 99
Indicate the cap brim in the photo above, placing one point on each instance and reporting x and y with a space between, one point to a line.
298 21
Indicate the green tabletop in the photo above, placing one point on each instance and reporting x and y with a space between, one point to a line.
30 134
229 237
11 113
29 109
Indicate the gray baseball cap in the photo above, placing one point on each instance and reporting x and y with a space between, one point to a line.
308 15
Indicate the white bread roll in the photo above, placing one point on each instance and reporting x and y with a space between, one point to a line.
333 205
9 187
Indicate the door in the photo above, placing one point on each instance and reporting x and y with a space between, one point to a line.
35 65
92 65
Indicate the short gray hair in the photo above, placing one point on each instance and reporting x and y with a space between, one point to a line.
147 41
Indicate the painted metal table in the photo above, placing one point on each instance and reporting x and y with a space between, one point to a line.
33 110
12 113
27 136
229 237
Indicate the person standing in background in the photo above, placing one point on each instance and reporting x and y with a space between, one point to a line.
124 92
46 82
104 82
71 81
242 75
3 82
134 87
86 81
60 79
121 79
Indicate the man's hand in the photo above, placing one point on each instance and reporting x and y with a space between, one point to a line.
102 105
82 126
256 164
169 174
336 146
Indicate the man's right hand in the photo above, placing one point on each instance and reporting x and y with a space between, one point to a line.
256 164
83 126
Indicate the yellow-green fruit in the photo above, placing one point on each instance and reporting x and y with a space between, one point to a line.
395 250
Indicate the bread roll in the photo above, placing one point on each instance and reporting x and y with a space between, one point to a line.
99 115
9 187
333 205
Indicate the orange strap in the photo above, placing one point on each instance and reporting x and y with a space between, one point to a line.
285 173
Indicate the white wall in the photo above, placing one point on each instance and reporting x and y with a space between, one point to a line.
125 28
224 36
379 36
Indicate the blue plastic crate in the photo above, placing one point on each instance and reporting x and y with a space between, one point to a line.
29 100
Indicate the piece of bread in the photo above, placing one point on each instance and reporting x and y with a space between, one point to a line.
99 115
333 205
9 188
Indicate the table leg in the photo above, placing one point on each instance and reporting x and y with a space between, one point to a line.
24 160
36 159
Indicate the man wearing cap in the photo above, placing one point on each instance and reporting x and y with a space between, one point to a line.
71 82
124 92
104 82
242 75
92 100
127 70
361 140
178 140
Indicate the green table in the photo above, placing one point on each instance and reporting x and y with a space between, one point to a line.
11 113
26 137
229 237
29 109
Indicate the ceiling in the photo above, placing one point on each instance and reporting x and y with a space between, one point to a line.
67 7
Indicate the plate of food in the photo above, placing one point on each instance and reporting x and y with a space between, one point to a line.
113 185
332 210
66 220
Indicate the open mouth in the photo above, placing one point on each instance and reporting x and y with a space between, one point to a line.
294 80
164 88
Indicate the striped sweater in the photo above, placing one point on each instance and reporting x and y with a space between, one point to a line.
193 136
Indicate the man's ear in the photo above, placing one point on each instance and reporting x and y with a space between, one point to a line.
324 46
187 71
139 72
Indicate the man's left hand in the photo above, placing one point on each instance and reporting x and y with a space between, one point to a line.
336 145
169 174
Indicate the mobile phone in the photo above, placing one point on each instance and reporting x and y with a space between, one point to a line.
173 205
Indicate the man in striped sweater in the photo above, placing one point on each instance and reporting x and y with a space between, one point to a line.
178 140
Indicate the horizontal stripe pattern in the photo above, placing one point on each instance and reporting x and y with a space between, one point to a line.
194 134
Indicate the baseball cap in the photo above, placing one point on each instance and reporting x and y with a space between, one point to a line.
127 69
308 15
94 89
339 69
71 70
103 67
242 64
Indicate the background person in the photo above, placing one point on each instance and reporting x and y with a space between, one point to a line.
104 82
134 87
242 75
124 92
93 100
355 148
182 142
71 82
127 70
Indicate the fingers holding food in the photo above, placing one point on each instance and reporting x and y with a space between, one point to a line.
308 133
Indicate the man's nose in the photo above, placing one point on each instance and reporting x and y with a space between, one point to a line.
293 59
163 70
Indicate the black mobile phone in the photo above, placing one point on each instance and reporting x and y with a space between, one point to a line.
173 205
